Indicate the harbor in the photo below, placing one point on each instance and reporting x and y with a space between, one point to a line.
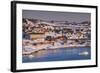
60 54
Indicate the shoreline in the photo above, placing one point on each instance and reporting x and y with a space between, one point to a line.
36 50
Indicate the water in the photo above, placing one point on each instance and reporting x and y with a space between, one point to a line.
58 55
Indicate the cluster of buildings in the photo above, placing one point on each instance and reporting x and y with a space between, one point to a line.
41 34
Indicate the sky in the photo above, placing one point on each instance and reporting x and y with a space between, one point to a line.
57 16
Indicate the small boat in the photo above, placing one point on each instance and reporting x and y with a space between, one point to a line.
31 56
85 53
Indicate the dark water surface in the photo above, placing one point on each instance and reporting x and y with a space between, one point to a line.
61 54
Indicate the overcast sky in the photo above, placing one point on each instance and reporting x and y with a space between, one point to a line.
57 16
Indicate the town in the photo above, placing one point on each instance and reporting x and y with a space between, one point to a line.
42 34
